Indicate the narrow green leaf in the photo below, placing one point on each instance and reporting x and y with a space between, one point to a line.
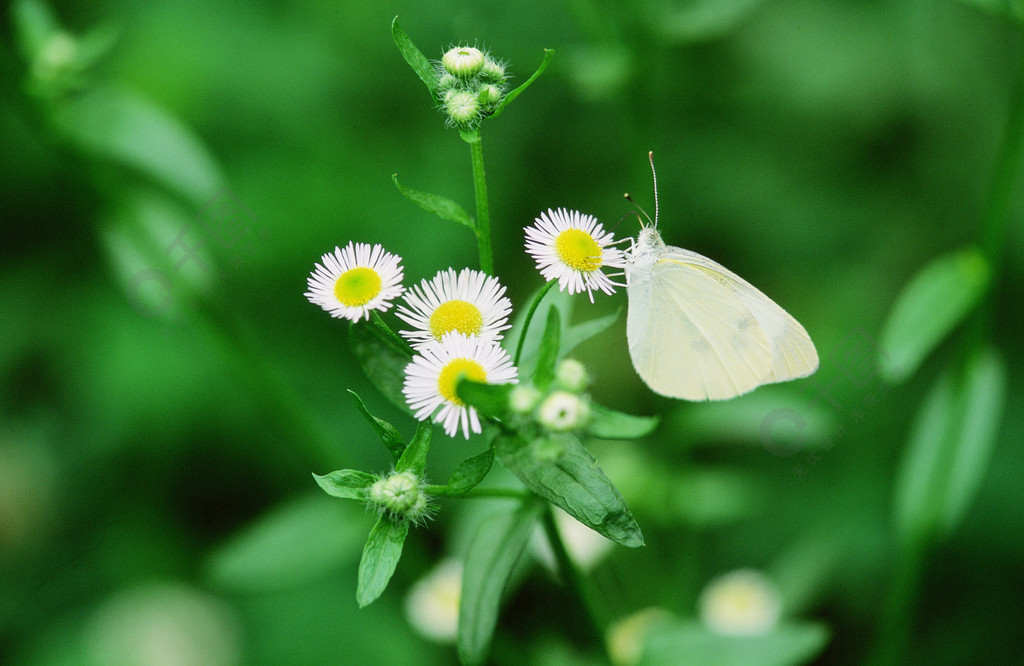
547 355
382 363
949 448
388 434
577 334
121 127
490 400
263 555
443 207
492 555
928 308
415 58
415 456
548 55
470 472
689 642
380 557
564 473
609 424
35 23
525 329
346 483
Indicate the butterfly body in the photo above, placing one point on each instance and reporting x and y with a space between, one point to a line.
698 331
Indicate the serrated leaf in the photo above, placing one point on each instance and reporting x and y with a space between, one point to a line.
263 556
345 483
569 478
470 472
443 207
949 448
388 434
609 424
415 58
383 365
688 642
548 55
577 334
928 308
121 127
492 555
380 557
547 354
414 458
490 400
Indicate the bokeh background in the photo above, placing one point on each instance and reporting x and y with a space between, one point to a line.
157 439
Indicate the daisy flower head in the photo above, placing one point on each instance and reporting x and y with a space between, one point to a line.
573 247
353 281
431 377
471 303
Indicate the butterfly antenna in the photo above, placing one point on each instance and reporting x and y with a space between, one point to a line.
650 158
630 199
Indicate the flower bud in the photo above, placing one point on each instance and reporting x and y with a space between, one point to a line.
489 95
492 71
563 411
462 107
572 375
523 399
463 61
446 82
401 494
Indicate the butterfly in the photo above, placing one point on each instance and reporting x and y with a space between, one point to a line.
698 331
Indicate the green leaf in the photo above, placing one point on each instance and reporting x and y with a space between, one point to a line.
470 472
380 557
415 456
931 305
609 424
346 483
702 19
35 24
415 58
949 448
689 642
388 434
577 334
490 400
492 555
568 476
548 55
443 207
263 556
548 297
547 355
383 364
123 128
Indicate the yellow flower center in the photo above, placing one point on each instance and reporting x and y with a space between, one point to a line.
578 250
456 370
456 316
357 286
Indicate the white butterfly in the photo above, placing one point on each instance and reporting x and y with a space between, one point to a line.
698 331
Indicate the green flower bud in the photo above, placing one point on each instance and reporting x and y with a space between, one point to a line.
492 71
563 411
572 375
446 82
463 61
489 94
523 399
462 107
401 494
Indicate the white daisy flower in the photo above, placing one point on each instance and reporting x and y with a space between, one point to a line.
472 303
431 377
432 604
353 281
573 247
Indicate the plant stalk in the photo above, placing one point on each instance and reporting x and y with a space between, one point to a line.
483 212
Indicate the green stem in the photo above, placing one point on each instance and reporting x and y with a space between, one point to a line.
573 577
529 317
481 493
394 339
483 213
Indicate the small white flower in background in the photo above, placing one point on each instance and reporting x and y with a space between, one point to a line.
572 375
431 377
563 411
523 399
432 604
585 546
740 603
626 637
573 248
472 303
353 281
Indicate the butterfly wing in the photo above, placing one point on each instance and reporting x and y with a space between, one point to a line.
698 331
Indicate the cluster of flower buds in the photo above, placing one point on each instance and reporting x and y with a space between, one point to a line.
564 408
471 85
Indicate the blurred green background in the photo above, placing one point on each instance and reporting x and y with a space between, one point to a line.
155 457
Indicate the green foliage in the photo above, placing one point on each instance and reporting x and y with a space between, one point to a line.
346 483
381 553
931 305
414 458
493 553
415 58
444 208
383 364
690 643
469 473
388 434
609 424
548 55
